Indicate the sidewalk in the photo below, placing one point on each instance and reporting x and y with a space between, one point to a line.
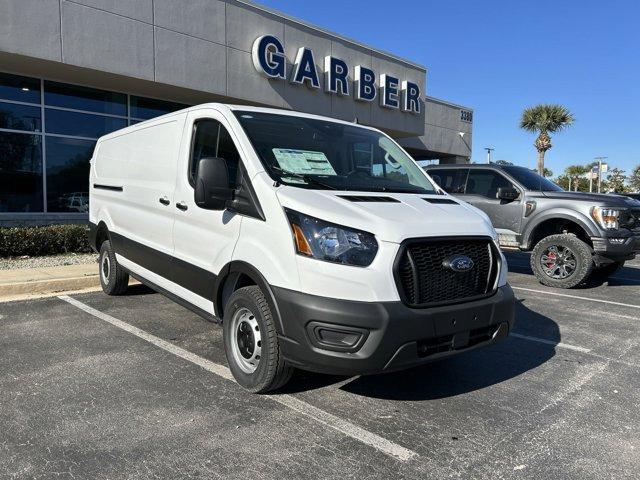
25 282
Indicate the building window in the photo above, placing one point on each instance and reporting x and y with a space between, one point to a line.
63 122
74 117
15 116
86 99
146 108
466 116
68 174
19 89
20 172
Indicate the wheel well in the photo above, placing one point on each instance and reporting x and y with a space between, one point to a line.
233 282
102 235
555 226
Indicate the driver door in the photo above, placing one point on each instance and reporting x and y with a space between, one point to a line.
481 191
203 239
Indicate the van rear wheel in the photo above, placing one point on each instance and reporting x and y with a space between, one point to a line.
251 342
113 278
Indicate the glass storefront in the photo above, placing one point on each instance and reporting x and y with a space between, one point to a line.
48 171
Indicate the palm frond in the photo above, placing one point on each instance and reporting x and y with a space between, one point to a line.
546 118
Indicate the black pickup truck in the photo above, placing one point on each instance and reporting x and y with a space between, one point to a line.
571 235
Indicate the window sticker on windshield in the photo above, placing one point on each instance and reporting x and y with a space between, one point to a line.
306 162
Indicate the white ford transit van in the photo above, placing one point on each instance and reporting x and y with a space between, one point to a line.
317 243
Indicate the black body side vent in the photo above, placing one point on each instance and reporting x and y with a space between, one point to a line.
359 198
441 201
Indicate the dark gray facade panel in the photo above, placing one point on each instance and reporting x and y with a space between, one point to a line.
203 19
31 27
104 41
244 83
346 108
137 9
179 62
244 24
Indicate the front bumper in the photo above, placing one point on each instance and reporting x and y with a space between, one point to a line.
345 337
617 245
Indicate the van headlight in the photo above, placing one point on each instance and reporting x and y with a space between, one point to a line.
326 241
607 218
504 271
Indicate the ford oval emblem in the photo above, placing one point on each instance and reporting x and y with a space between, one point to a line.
458 263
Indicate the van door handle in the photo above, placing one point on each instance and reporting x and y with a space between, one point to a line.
164 201
182 206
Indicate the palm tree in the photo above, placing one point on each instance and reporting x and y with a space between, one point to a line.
575 173
543 120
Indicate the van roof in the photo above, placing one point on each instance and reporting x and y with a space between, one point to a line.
231 108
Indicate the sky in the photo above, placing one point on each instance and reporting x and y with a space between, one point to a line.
499 57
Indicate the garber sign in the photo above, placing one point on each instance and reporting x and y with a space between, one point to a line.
269 59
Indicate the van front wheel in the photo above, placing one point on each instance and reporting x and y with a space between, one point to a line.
113 279
251 342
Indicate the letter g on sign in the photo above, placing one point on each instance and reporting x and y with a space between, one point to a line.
268 56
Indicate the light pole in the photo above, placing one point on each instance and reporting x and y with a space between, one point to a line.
600 159
489 150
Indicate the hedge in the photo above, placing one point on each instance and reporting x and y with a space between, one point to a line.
46 240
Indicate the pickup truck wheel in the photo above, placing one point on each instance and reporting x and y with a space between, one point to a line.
562 261
113 279
251 342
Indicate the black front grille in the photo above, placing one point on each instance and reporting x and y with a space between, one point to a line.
424 281
630 219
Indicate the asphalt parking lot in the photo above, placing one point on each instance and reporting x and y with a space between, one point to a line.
136 387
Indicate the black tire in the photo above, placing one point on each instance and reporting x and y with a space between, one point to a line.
607 270
247 307
113 278
576 248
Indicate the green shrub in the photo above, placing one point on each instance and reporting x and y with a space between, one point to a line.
47 240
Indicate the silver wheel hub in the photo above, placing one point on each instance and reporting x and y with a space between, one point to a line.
558 262
246 344
105 268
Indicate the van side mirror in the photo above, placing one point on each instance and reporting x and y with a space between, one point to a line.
212 190
507 193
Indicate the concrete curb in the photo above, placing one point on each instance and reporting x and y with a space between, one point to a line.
49 286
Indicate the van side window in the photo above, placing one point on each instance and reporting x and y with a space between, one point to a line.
211 139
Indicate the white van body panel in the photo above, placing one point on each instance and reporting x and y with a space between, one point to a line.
268 245
410 217
142 161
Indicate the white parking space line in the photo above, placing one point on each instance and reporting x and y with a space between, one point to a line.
347 428
597 300
550 342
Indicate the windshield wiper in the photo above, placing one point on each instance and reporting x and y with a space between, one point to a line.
303 176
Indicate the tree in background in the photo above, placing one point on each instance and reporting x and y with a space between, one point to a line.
616 181
545 119
634 180
576 174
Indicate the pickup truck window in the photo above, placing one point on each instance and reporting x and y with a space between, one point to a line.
531 180
451 180
486 183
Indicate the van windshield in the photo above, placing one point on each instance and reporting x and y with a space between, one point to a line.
317 154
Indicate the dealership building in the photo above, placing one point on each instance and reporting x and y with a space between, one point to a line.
72 71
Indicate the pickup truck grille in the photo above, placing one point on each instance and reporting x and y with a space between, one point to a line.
424 281
631 219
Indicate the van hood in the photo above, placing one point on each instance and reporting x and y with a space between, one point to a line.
406 216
